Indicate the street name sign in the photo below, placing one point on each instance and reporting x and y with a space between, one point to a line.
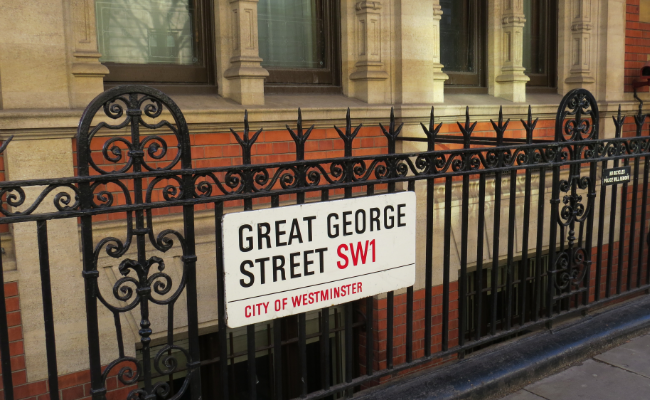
289 260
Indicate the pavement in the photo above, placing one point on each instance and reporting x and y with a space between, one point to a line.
620 373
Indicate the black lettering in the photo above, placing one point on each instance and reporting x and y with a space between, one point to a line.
293 265
278 265
263 235
295 232
279 233
374 217
307 262
321 257
400 215
346 223
309 219
356 221
249 240
389 218
262 263
330 226
250 276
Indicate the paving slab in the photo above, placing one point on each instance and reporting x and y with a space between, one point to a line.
592 380
523 395
632 356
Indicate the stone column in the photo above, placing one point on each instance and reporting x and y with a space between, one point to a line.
414 54
510 83
43 159
88 73
369 74
245 74
33 58
577 49
439 77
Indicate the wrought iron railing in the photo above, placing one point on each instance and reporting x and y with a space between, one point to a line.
155 171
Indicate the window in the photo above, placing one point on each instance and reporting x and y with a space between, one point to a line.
157 41
540 43
463 43
298 42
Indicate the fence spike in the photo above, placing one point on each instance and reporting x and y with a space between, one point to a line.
299 137
432 131
529 126
618 122
246 143
392 133
500 128
349 134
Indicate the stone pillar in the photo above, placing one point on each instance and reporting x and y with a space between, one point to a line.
42 159
33 57
510 82
245 75
88 73
577 49
369 74
439 77
415 52
611 52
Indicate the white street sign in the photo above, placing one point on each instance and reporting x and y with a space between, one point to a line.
288 260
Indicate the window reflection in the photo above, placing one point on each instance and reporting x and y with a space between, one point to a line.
146 32
458 35
291 33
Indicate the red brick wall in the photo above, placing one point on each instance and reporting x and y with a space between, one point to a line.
73 386
637 44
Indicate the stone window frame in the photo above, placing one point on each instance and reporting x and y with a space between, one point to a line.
200 77
300 80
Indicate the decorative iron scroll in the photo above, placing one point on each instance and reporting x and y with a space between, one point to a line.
145 281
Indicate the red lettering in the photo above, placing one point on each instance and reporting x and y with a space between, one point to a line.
304 299
311 298
336 293
247 313
354 288
343 257
324 295
372 243
359 287
296 300
358 252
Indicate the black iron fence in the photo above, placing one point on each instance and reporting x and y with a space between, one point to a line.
339 350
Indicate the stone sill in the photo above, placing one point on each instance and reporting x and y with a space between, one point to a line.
214 114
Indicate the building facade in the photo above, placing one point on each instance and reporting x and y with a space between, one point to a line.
218 58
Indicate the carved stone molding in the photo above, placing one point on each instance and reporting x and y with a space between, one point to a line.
580 43
439 77
245 72
511 82
369 65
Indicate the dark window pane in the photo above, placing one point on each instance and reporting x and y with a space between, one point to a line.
291 33
147 32
458 35
536 34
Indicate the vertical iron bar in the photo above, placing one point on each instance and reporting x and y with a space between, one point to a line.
591 196
223 335
462 295
302 352
429 270
511 247
277 337
633 213
48 312
540 242
478 299
621 235
370 340
446 266
555 202
325 331
601 232
495 251
390 312
642 233
409 324
610 245
5 355
523 271
348 345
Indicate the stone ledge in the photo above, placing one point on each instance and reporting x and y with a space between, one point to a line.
507 368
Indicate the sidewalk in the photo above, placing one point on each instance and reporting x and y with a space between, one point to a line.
620 373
